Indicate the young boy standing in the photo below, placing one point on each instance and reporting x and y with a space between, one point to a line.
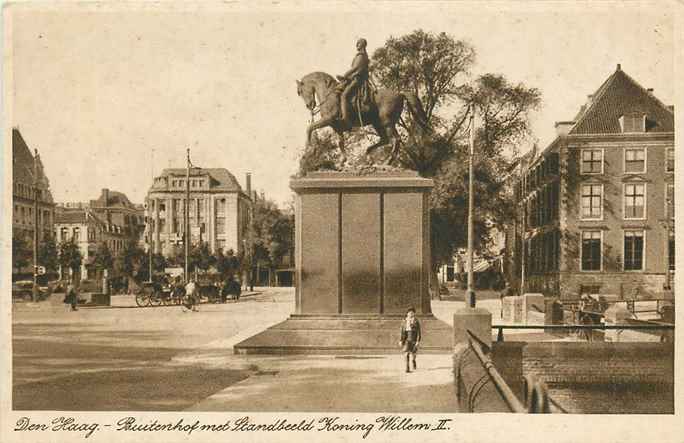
410 337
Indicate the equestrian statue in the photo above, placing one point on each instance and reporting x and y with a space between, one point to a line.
350 102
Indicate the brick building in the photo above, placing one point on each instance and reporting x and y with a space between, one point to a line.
25 186
88 231
219 210
115 208
597 205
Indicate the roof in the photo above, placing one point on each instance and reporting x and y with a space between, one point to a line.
115 198
74 216
619 95
70 216
222 179
22 165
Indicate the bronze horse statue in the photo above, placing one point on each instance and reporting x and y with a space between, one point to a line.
383 113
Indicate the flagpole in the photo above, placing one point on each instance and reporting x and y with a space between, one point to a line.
470 292
35 226
149 205
187 217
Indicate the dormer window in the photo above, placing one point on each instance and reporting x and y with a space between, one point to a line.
633 123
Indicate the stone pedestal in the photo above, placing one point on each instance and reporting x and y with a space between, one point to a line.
362 247
476 320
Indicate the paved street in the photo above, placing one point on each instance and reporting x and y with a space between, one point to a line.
129 358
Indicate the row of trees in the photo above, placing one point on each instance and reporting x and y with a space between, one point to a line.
270 239
50 254
438 68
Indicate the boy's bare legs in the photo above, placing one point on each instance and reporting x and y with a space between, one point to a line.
414 360
408 369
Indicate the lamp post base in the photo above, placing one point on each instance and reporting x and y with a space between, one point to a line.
470 298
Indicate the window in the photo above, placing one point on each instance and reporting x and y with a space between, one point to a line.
635 198
77 234
670 160
669 200
592 202
671 251
220 206
635 160
220 225
591 251
634 250
633 123
592 161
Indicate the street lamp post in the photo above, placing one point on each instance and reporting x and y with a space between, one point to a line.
470 292
149 231
187 217
34 292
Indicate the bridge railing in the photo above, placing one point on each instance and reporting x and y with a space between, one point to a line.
481 388
589 328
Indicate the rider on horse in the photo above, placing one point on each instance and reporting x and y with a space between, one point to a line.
355 81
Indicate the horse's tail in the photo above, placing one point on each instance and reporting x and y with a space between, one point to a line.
417 111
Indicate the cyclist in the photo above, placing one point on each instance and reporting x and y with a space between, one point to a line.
191 296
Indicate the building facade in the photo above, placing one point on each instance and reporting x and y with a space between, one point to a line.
116 209
29 183
596 207
89 232
219 210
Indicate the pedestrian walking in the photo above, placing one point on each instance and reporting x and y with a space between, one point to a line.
71 297
410 337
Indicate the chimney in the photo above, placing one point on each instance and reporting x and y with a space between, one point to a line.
562 128
105 196
619 67
248 184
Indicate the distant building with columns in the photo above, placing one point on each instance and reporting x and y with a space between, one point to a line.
219 210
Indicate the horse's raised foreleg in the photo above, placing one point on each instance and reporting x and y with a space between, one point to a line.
322 123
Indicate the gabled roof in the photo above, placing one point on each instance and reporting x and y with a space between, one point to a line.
23 167
619 95
74 216
71 216
114 199
221 178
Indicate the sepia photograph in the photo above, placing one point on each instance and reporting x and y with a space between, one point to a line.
339 221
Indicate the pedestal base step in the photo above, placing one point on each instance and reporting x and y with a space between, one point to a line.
344 335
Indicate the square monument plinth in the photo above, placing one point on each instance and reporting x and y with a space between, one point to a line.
362 246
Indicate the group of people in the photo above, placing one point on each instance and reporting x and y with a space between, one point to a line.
190 292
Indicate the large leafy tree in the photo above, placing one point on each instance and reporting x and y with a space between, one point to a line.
200 257
227 263
128 260
103 258
48 255
272 231
70 256
21 252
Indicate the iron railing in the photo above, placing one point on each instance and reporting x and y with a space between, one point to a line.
536 398
600 327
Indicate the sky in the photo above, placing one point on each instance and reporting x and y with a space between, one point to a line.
110 95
